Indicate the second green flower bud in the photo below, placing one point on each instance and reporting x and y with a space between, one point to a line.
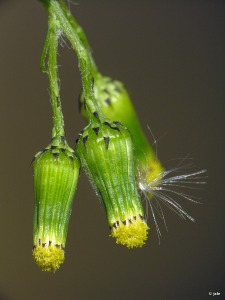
106 153
116 105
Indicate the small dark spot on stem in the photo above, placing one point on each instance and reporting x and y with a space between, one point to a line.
108 102
43 244
107 124
135 218
77 139
117 89
57 245
33 159
124 222
130 221
56 155
116 128
37 156
114 225
53 147
117 122
118 223
50 242
71 157
141 217
85 140
96 130
112 127
33 248
96 115
106 140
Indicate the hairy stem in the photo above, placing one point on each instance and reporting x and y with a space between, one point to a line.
50 52
60 12
80 32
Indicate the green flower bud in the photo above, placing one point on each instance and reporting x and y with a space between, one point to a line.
116 105
56 171
106 154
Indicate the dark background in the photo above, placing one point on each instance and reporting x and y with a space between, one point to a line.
170 55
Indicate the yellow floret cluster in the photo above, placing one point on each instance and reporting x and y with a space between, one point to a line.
48 258
131 235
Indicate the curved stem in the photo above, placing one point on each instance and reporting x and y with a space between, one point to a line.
80 32
50 50
55 9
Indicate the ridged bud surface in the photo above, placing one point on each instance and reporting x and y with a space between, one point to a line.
56 171
106 154
116 105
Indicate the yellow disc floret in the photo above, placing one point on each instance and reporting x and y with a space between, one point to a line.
154 173
130 233
48 258
150 177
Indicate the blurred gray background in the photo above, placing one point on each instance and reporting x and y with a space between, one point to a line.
170 55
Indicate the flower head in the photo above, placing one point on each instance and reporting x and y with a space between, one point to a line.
116 105
106 154
56 171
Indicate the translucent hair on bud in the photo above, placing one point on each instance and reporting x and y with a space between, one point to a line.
169 189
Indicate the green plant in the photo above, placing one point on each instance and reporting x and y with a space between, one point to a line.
112 137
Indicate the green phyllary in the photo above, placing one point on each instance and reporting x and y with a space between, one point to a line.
106 154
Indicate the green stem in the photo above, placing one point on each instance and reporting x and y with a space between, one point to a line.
80 32
50 50
56 9
44 54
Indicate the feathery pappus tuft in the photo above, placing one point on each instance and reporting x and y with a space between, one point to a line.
169 189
